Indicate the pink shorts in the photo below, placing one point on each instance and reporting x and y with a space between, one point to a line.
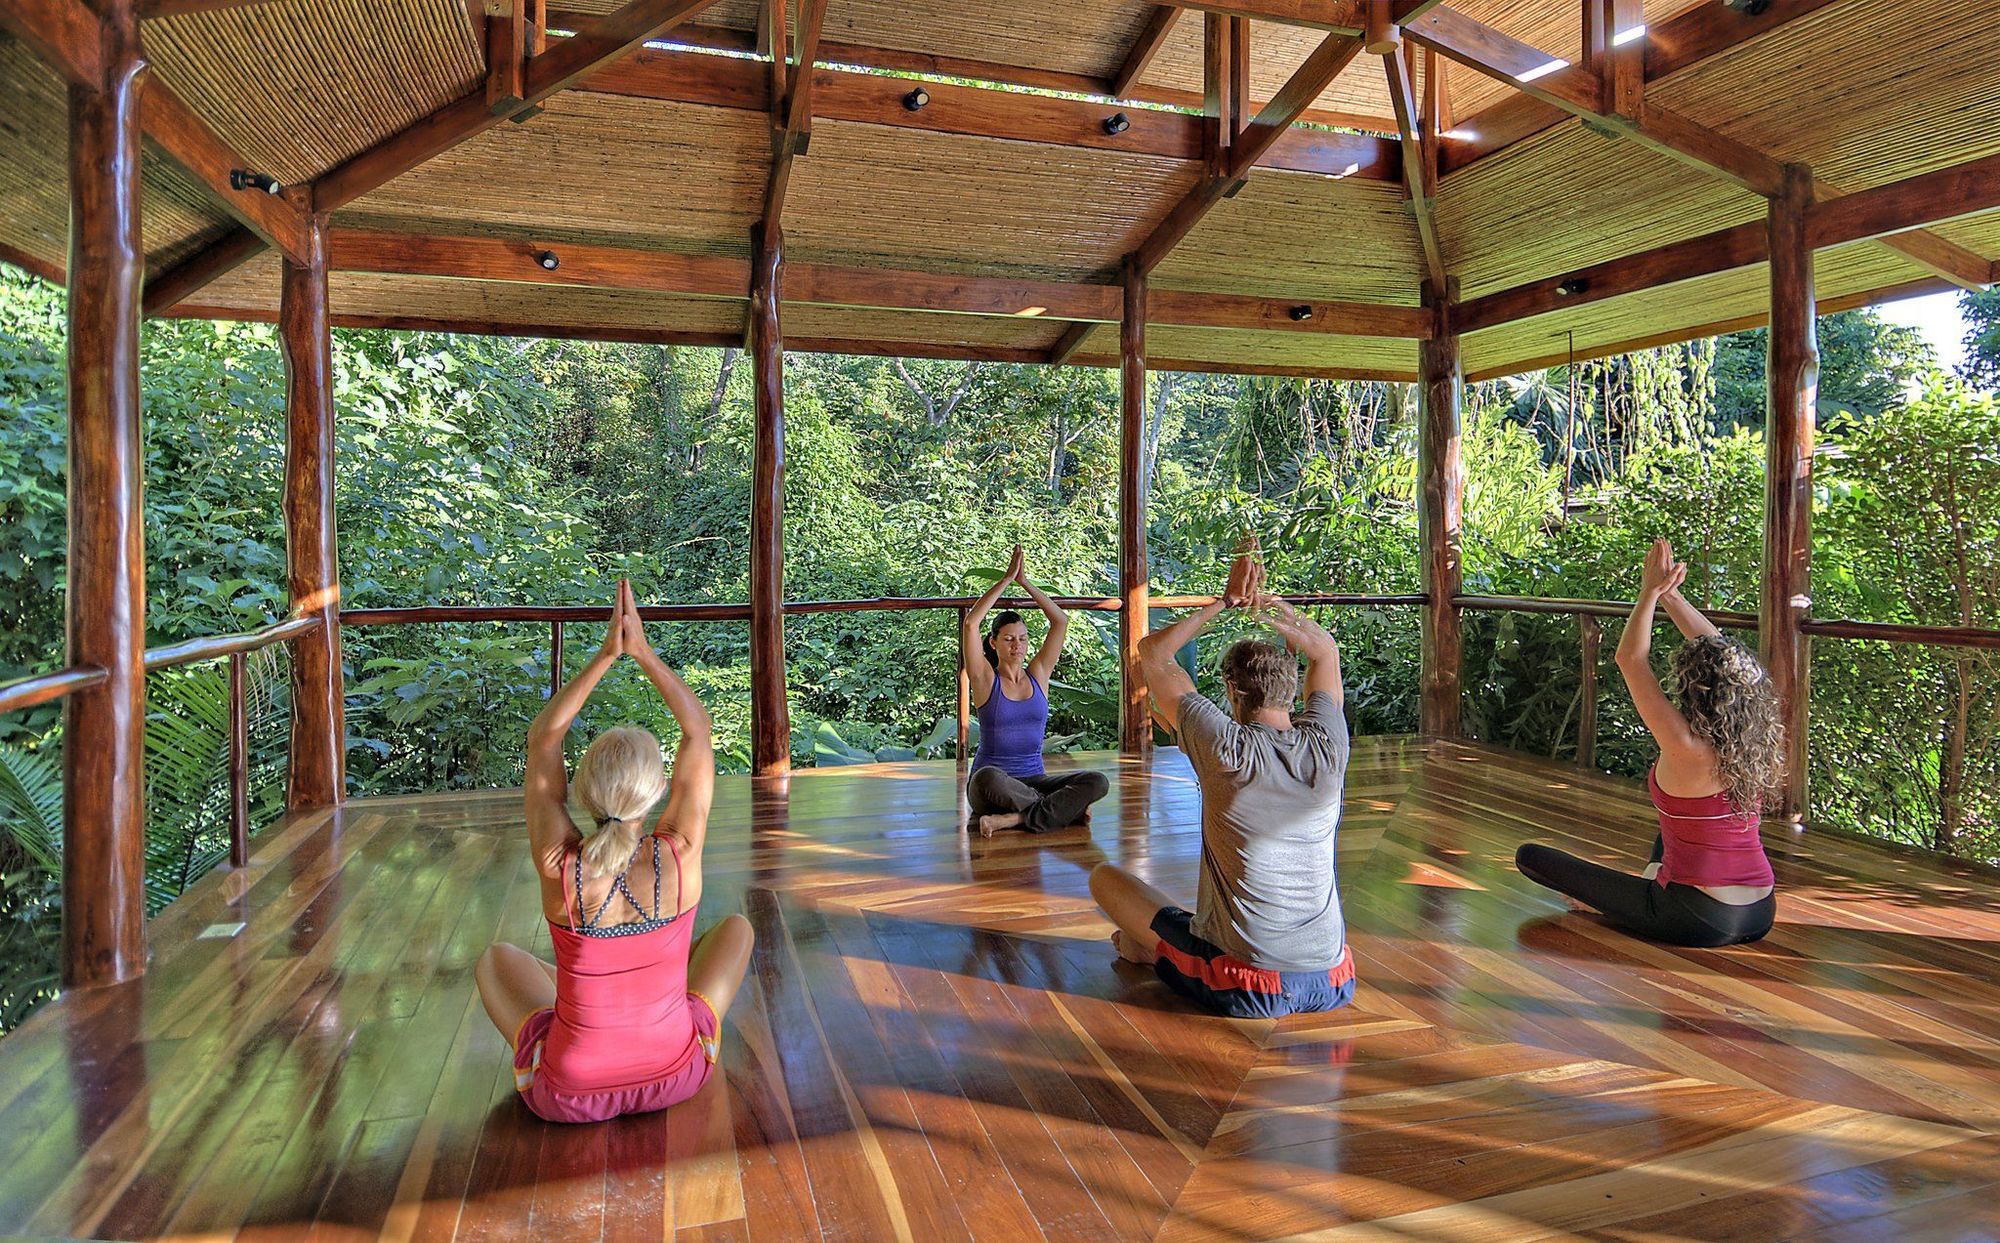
553 1104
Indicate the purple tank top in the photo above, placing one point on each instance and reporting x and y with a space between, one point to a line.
1011 730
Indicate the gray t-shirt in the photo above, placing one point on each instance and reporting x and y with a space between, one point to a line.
1270 803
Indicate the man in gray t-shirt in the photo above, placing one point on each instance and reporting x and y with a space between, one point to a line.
1266 936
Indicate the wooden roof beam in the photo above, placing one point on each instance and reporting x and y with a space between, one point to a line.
1879 214
877 99
1152 37
1419 167
791 113
64 34
695 276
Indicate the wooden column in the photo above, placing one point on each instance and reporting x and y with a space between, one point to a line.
770 714
318 772
1135 719
103 745
1441 493
1792 369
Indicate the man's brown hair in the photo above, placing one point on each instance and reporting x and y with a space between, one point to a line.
1263 675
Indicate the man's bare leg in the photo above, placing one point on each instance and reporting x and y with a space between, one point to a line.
1131 904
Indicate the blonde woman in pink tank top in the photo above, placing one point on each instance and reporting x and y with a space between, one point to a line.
1722 750
628 1019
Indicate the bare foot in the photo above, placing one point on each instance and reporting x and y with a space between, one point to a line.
1578 905
988 825
1131 951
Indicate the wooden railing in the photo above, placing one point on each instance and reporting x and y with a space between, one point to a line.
44 687
557 616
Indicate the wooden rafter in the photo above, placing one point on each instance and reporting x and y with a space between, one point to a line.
1899 207
178 8
791 114
63 32
1419 169
1250 146
1580 92
695 276
1152 37
877 99
507 57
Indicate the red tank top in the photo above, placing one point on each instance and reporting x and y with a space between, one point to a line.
622 1016
1707 841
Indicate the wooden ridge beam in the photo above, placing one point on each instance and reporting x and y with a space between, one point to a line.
694 276
691 77
1152 37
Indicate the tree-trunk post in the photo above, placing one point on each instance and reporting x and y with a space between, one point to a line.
770 715
1441 494
104 741
1586 715
1792 367
317 776
1135 718
964 752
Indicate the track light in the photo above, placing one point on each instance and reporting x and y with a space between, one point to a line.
548 260
1117 123
1572 287
916 99
250 179
1749 8
1300 313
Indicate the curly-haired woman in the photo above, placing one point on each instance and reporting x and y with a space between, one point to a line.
1722 749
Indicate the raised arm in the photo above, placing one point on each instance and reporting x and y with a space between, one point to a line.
978 670
1311 640
1166 681
1686 617
551 833
693 788
1043 666
1679 746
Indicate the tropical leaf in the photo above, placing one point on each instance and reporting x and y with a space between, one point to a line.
31 803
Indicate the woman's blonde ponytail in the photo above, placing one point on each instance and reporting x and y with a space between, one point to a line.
621 775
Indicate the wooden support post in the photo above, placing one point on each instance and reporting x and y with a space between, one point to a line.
1441 488
555 658
964 698
1135 719
318 770
239 766
103 745
1217 62
770 714
1586 714
1792 367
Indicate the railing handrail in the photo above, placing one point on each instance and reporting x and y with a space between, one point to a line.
212 646
1725 618
40 688
1899 632
546 613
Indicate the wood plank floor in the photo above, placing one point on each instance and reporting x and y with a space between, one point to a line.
936 1042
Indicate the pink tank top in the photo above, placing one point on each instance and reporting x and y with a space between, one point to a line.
1707 841
622 1017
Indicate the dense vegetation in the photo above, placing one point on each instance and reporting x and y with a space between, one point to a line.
476 470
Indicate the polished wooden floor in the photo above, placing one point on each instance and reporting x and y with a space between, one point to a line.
937 1043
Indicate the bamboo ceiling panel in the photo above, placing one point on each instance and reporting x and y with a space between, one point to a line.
876 196
916 328
1678 311
1226 348
1275 51
593 168
1301 235
176 215
1068 36
1980 233
300 85
1567 198
1865 91
725 14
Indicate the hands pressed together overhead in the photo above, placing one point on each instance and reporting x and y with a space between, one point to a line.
1661 575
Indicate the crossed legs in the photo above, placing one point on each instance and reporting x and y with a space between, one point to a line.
1131 904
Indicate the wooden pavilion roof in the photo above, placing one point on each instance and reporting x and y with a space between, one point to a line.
992 222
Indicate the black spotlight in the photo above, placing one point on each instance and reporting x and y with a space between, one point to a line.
1572 287
916 99
1300 313
1117 123
249 179
1749 8
548 260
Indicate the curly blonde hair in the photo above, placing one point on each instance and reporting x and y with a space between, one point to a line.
621 775
1726 696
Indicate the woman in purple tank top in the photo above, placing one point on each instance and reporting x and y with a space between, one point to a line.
1009 788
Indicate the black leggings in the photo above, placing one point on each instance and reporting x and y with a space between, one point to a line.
1050 801
1674 913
